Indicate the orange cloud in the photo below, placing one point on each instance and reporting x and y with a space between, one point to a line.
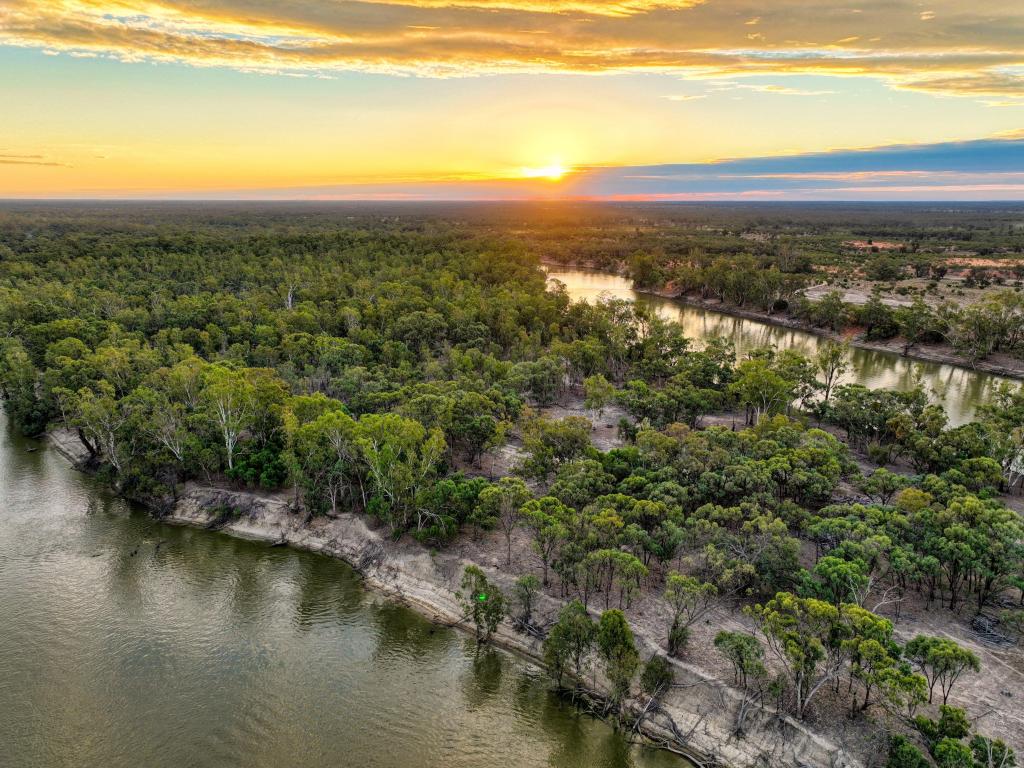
597 7
975 50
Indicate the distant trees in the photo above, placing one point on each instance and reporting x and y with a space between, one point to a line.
767 284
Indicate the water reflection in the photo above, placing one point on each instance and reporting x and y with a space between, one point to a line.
960 390
483 679
401 634
126 642
323 596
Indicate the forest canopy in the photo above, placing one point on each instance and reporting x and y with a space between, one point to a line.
365 361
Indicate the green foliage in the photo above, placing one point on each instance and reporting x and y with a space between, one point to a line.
945 740
815 640
445 506
550 443
802 634
569 641
499 505
881 485
831 362
992 753
402 459
689 600
526 590
942 661
745 653
362 362
952 725
657 677
761 389
883 267
952 753
837 580
612 571
903 754
599 393
549 522
618 649
482 601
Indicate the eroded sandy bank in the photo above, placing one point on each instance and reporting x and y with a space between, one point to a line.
702 706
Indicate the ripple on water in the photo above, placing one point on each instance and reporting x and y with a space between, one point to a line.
207 652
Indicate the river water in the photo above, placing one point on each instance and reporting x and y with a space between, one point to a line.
125 642
960 390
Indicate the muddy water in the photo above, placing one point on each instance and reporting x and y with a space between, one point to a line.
125 643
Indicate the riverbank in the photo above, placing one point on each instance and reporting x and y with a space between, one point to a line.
930 353
998 365
702 706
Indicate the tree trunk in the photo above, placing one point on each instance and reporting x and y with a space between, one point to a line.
84 440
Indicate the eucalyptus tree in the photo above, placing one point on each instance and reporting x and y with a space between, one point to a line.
500 504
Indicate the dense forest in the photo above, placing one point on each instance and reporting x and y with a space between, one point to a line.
379 360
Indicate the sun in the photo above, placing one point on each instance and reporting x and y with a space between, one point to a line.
553 172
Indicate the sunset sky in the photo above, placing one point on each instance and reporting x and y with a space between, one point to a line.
509 99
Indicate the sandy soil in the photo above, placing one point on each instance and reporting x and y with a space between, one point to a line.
705 699
900 293
857 294
965 261
989 696
880 245
701 705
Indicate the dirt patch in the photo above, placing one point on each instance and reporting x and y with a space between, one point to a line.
961 261
857 295
873 245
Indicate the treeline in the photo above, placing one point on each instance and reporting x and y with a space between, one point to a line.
766 281
771 284
974 331
608 236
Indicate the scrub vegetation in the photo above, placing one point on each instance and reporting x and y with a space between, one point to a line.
389 363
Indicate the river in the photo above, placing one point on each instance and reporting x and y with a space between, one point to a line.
125 642
960 390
